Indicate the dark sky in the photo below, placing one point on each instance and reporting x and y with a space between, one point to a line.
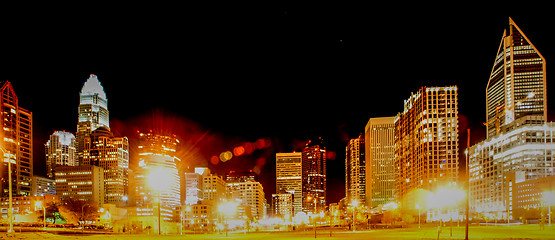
220 76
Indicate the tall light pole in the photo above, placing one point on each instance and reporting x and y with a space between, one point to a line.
467 183
10 209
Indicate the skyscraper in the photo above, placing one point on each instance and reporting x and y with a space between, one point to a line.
517 83
314 176
289 177
157 153
16 142
426 141
380 159
60 150
110 153
93 112
355 170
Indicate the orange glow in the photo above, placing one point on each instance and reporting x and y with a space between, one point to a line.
214 160
238 151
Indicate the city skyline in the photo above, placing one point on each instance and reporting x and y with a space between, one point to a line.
240 114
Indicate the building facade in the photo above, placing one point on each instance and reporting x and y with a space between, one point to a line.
157 153
85 182
517 84
16 142
380 161
355 170
110 153
426 142
60 150
526 146
250 194
282 205
93 112
289 177
314 176
43 186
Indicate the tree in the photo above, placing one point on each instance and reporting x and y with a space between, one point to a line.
77 211
52 212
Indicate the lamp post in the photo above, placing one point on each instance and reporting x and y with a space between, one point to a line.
418 207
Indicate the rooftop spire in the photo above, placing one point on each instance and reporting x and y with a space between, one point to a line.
92 86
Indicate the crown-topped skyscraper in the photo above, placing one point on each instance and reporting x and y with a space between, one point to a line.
93 112
517 84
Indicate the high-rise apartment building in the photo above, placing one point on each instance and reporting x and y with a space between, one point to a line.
517 84
314 176
93 112
157 153
380 161
426 141
355 171
16 142
60 150
289 177
111 153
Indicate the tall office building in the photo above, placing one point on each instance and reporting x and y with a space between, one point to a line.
314 176
17 143
289 177
517 84
111 153
426 142
157 153
526 146
380 161
355 170
93 112
60 150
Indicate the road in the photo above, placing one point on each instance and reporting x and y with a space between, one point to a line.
427 232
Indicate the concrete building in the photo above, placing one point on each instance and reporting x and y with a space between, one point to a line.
43 186
380 161
426 142
250 194
17 143
85 182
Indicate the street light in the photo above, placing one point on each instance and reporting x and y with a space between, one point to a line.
10 209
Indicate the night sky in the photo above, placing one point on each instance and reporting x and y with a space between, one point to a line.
221 76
